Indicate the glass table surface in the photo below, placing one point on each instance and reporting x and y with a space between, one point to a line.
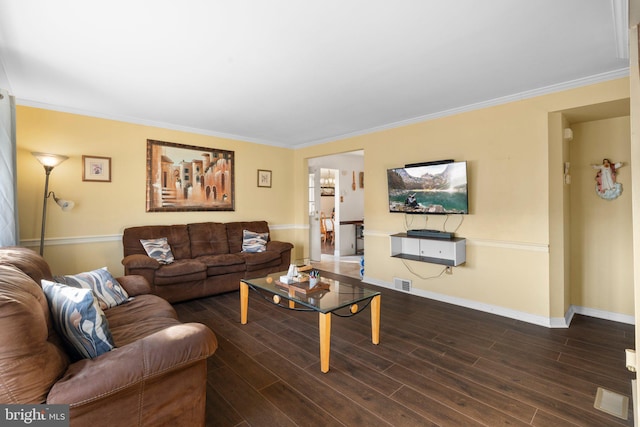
339 294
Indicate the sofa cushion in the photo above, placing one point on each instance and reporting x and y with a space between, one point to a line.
208 238
177 236
79 319
158 249
34 266
222 264
180 271
127 325
258 260
235 229
30 362
27 261
104 286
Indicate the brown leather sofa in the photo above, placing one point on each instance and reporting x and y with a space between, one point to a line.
156 375
208 258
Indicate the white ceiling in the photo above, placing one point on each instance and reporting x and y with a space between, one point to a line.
296 73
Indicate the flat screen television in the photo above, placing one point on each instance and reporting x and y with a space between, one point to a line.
439 188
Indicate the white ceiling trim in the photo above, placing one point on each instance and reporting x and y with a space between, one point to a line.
620 13
612 75
599 78
4 79
144 122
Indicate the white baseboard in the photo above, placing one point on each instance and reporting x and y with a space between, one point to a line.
549 322
601 314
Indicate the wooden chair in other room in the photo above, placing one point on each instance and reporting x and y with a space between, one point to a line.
326 228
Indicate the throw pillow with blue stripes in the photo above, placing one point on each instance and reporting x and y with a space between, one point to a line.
105 287
78 318
254 242
158 249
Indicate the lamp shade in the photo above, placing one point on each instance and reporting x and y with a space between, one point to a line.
50 160
66 205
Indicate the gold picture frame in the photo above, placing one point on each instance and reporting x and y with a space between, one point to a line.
264 178
184 178
96 169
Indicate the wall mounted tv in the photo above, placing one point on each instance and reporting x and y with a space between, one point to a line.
429 188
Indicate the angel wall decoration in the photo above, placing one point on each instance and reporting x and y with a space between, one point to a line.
606 185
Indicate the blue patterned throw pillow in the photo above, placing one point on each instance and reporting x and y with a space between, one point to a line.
104 286
79 319
254 242
158 249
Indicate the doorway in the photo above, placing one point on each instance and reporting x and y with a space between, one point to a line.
328 215
337 191
324 212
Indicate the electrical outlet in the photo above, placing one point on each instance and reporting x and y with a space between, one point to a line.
449 270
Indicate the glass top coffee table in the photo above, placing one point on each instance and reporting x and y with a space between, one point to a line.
327 297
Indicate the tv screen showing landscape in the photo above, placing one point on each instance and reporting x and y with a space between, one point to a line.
431 189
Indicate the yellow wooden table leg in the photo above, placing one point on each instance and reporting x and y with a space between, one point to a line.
375 319
291 295
244 302
325 341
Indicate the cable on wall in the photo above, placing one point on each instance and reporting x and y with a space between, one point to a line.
423 277
444 226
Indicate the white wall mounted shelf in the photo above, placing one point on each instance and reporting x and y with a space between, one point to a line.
435 251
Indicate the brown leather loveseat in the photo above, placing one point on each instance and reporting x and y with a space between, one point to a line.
156 374
208 257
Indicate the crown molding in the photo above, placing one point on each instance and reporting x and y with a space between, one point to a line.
620 14
572 84
585 81
138 121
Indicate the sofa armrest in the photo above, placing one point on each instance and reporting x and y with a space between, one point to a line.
280 247
136 261
165 351
138 264
135 285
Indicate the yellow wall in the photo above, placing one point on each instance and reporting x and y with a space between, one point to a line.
559 219
89 236
601 243
508 230
507 148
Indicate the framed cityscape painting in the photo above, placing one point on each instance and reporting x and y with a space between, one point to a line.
189 178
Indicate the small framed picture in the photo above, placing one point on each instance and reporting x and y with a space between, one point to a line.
96 169
264 178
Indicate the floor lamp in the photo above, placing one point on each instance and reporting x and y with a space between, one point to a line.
50 161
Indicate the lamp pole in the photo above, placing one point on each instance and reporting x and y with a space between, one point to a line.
49 161
47 170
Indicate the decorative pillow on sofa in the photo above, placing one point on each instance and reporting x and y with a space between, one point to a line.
104 286
254 242
158 249
79 319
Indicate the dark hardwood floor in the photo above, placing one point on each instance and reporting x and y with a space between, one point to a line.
436 364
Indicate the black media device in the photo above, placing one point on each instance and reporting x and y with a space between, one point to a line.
435 162
433 234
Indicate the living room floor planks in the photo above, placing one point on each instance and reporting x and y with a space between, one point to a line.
436 364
